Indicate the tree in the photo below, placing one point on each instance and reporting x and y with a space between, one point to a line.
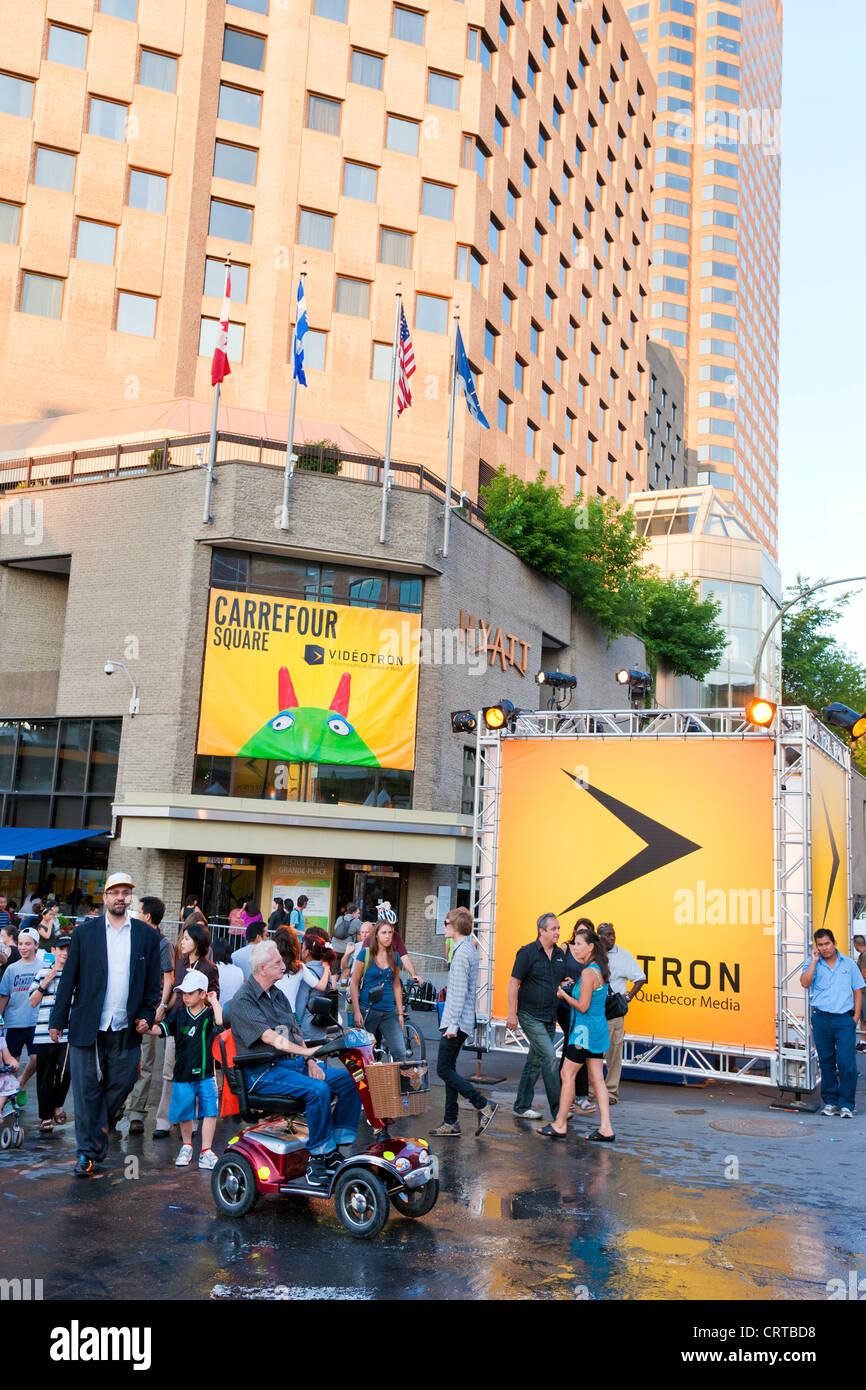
592 548
816 669
680 629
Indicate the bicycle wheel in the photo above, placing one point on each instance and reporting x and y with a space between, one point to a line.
416 1048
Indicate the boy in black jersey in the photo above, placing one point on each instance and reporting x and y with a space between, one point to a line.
194 1026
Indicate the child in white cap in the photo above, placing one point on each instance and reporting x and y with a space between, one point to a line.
194 1093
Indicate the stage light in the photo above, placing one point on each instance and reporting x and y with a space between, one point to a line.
842 717
760 712
639 682
499 716
558 680
463 721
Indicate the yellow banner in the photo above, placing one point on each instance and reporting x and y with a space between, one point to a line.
295 681
673 844
830 907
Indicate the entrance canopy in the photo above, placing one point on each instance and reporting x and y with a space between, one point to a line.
21 840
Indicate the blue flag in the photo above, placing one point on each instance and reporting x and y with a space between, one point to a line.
464 377
300 334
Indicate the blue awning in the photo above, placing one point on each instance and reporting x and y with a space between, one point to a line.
15 843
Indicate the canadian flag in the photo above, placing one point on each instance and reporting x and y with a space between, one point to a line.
220 368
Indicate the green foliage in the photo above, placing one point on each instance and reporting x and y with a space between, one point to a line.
816 669
320 456
679 628
591 547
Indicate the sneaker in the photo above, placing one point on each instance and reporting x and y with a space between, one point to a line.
184 1158
846 1114
161 1133
830 1110
207 1159
333 1160
83 1168
445 1131
485 1116
136 1127
527 1114
318 1172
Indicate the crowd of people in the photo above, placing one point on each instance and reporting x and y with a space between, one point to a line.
89 1001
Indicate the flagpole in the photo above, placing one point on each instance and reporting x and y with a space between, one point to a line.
450 465
386 470
290 437
207 519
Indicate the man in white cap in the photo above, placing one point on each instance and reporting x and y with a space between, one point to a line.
113 973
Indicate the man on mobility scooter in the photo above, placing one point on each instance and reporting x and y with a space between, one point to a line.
262 1019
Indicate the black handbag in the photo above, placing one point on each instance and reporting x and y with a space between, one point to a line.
615 1005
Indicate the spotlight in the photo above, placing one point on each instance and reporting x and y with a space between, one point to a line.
463 721
499 716
557 679
639 681
841 717
760 712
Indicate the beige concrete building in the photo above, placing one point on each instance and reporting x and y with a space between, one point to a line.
714 289
489 154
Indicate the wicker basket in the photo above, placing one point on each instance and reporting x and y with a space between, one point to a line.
398 1088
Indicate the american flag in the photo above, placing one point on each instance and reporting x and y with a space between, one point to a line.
405 365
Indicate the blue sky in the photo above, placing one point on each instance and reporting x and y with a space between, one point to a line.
822 352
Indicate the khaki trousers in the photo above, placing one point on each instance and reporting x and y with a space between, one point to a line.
162 1121
136 1106
613 1056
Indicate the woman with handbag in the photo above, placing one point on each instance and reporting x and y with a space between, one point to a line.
588 1038
573 971
377 963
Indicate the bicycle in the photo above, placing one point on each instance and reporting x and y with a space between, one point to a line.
416 1048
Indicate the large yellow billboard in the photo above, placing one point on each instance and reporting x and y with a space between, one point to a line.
297 681
830 906
672 843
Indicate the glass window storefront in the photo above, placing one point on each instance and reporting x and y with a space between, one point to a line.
322 782
349 584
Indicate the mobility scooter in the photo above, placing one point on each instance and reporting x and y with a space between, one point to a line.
267 1158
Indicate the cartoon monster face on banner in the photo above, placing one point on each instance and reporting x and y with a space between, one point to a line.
309 734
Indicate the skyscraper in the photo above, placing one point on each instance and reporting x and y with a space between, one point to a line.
714 289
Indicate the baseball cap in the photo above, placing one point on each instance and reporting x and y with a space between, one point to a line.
63 941
29 931
194 979
119 881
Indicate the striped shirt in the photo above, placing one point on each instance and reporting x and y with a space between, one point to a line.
42 1034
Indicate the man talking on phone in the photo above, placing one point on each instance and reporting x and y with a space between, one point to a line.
835 987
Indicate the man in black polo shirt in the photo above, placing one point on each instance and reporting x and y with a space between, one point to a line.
538 971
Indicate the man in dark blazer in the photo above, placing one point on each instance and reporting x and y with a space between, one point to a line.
108 994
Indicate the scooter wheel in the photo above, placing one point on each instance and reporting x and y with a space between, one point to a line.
417 1202
361 1202
18 1138
233 1185
6 1137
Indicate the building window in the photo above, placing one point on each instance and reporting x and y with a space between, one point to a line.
215 281
408 25
353 297
107 119
246 50
531 436
523 272
314 350
95 242
157 70
147 191
431 313
237 163
437 200
395 248
519 368
121 9
490 336
242 106
402 135
443 90
316 229
68 46
326 9
367 69
42 295
54 169
207 337
136 313
10 223
16 96
507 302
359 181
502 414
230 220
382 356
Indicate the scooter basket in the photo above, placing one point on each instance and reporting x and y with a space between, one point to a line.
398 1088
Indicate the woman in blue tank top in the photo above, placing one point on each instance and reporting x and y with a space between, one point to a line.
588 1039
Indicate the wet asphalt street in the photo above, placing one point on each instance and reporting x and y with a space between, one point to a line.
706 1194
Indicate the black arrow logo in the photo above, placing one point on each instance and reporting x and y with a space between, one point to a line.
835 869
661 844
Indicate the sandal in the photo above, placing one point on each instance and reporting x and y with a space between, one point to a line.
60 1117
550 1133
46 1127
583 1105
598 1138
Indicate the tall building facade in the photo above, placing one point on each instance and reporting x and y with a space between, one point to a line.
714 290
492 155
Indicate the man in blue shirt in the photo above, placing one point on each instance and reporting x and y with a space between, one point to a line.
836 993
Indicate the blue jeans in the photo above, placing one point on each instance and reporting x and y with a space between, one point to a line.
836 1043
540 1058
388 1024
288 1077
